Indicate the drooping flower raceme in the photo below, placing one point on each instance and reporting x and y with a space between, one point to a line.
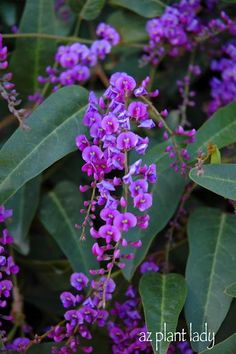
223 88
115 180
7 265
180 29
81 313
7 88
73 62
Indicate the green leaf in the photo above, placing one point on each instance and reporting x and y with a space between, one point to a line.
220 179
163 298
23 213
131 27
220 130
33 55
226 347
45 348
210 268
231 290
92 9
54 125
60 211
169 186
88 9
145 8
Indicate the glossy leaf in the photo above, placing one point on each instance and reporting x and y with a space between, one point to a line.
88 9
23 213
220 179
163 298
60 211
29 59
54 125
210 269
220 129
130 26
91 9
231 290
226 347
169 187
145 8
45 348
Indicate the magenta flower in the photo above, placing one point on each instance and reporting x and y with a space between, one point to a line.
108 215
139 186
125 221
4 213
91 117
110 124
143 201
79 281
82 142
143 221
92 153
127 141
110 233
67 299
123 82
138 110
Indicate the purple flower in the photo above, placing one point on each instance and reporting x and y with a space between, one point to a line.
92 153
81 73
108 215
108 32
149 266
110 233
125 221
143 201
20 344
138 110
67 78
110 124
82 142
79 281
69 59
123 82
139 186
127 141
91 117
5 213
101 48
3 55
68 299
143 221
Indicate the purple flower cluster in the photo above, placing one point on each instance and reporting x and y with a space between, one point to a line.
223 87
7 88
82 312
149 266
73 62
125 330
181 28
111 139
19 345
7 265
